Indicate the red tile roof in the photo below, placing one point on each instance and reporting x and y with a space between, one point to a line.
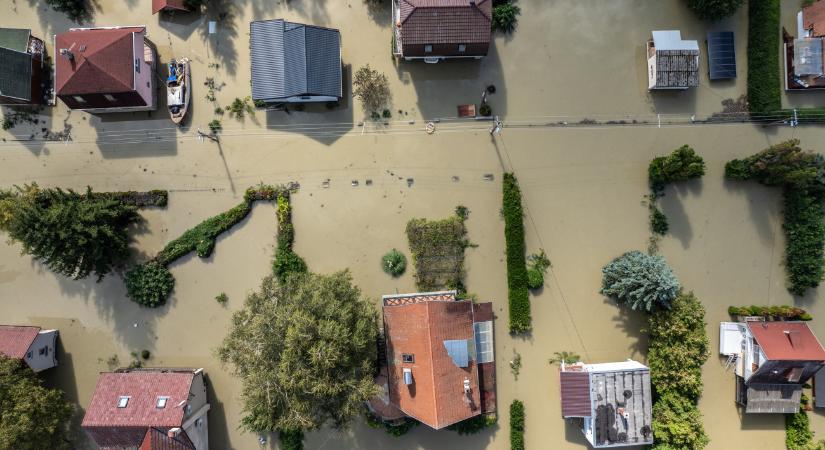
813 17
787 341
104 61
575 394
419 326
159 5
445 21
157 439
110 425
16 340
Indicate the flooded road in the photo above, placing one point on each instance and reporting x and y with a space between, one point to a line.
583 191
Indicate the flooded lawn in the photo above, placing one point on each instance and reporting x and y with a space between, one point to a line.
583 190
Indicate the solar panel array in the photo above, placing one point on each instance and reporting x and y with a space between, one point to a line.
721 55
484 341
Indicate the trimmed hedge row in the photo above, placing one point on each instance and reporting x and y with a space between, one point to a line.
156 197
286 260
202 237
764 83
781 312
517 279
517 425
804 226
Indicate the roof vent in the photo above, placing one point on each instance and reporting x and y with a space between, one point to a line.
793 337
173 432
466 385
67 53
408 379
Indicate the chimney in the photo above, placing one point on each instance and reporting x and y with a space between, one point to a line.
466 385
67 53
173 432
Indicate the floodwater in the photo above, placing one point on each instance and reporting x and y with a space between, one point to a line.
583 191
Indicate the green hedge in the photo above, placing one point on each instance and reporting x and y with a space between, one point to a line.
798 433
517 279
804 227
776 312
517 425
286 260
764 83
202 237
149 284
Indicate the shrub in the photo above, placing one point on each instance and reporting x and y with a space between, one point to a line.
215 126
240 107
287 262
149 284
642 281
394 263
784 164
797 430
678 348
517 278
393 429
372 88
682 164
714 9
291 440
517 425
222 298
658 221
566 357
202 237
764 85
505 17
473 425
145 354
535 279
677 424
485 110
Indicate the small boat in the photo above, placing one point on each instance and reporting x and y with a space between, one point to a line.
178 87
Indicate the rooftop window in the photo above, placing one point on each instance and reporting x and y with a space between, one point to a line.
122 401
161 403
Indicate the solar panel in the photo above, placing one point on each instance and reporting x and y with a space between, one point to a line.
721 55
458 351
484 341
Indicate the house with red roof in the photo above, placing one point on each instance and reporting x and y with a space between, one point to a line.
105 70
772 360
434 30
32 345
149 408
168 6
440 365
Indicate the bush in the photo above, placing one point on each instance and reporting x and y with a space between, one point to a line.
678 348
202 237
517 277
714 9
145 354
473 425
396 430
149 284
291 440
642 281
394 263
505 17
658 221
372 88
798 433
215 126
682 164
222 298
288 262
764 85
517 425
535 279
677 424
485 110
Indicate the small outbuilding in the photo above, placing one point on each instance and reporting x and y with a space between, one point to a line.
672 62
32 345
21 67
612 402
295 63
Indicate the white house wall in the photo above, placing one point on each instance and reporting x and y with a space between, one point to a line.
46 340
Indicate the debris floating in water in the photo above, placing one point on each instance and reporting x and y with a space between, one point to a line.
488 177
354 183
456 179
369 182
410 182
325 184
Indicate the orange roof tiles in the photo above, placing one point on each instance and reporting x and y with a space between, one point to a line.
102 61
16 340
787 341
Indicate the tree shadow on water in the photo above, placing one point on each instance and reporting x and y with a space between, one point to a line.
631 323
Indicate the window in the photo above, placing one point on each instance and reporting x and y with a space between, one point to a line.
187 409
794 374
79 99
428 49
29 355
199 422
123 401
161 403
462 48
110 97
137 65
42 351
407 358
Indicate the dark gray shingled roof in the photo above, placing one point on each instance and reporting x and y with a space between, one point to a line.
15 63
292 59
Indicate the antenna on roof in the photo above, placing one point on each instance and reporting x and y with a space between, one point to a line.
68 54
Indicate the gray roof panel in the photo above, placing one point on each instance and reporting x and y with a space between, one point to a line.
15 74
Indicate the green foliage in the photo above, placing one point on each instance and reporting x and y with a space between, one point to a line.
202 237
149 284
678 348
76 10
33 417
798 433
535 279
537 267
517 425
473 425
776 312
677 424
658 221
801 174
394 263
305 351
764 85
239 107
215 126
517 277
485 110
565 356
682 164
291 440
515 364
505 17
222 298
372 88
393 429
714 9
286 260
642 281
73 234
145 354
437 248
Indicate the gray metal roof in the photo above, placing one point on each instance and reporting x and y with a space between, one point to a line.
292 59
773 398
807 57
622 402
15 39
721 55
15 74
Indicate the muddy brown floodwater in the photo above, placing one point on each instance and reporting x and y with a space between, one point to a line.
583 191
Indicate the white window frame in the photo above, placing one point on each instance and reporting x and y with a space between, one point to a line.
123 401
161 402
110 97
79 98
462 48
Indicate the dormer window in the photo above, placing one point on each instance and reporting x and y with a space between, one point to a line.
123 401
161 402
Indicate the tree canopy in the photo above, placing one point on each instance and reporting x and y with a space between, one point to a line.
72 234
305 349
642 281
32 417
714 9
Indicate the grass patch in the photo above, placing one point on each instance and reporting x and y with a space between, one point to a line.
517 277
438 252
